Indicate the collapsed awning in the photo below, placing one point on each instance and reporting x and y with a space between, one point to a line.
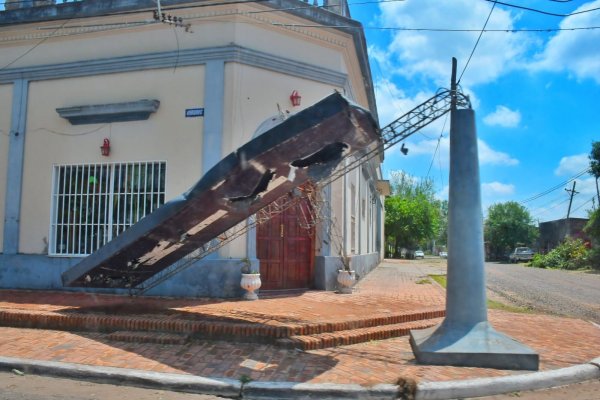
306 146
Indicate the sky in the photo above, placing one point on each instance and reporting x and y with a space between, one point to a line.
536 95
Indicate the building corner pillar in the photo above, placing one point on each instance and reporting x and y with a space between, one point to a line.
15 162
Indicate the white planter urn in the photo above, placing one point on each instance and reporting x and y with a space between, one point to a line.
346 280
250 283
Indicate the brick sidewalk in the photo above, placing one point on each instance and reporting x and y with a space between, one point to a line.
390 288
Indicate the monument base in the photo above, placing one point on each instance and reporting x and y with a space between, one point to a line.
478 346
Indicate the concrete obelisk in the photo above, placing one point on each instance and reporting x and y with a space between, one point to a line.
465 337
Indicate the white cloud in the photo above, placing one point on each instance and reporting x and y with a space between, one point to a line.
443 194
577 52
497 189
489 156
428 54
393 102
572 165
586 186
503 116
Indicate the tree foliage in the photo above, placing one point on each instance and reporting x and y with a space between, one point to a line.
570 254
411 212
508 225
593 226
442 233
595 159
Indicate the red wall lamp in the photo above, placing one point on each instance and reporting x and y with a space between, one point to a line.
105 148
295 98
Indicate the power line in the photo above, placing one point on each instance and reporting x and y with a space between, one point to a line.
543 11
477 42
511 30
438 145
116 26
552 189
583 204
539 213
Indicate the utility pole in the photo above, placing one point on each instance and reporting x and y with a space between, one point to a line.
465 337
573 193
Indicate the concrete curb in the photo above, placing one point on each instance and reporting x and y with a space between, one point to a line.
291 390
325 391
131 377
507 384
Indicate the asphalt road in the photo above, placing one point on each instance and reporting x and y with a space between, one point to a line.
568 293
33 387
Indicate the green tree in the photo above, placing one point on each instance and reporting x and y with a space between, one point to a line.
508 225
442 235
595 165
593 226
411 212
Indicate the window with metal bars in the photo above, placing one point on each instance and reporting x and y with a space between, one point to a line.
93 203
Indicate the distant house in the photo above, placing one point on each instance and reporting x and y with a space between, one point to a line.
109 109
552 233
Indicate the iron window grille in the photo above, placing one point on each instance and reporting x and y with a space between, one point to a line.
93 203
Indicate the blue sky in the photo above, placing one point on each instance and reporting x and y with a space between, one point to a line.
536 94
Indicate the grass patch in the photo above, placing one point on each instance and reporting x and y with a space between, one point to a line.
491 304
424 281
440 279
496 305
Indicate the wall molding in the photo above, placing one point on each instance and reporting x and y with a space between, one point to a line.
172 59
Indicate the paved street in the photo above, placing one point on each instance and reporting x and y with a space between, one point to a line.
567 293
33 387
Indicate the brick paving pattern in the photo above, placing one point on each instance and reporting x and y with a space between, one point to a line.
390 289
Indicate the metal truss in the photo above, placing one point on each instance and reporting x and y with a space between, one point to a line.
393 133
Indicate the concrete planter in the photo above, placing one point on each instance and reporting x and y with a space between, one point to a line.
250 283
346 280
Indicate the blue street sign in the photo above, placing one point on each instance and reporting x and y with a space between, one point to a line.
194 112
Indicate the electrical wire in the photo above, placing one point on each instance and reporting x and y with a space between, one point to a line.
438 145
543 11
116 26
583 204
553 188
540 213
70 134
441 30
476 43
41 41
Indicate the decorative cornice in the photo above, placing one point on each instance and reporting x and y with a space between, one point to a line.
231 53
96 8
104 113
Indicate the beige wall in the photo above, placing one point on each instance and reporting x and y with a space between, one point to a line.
98 45
167 135
5 121
210 28
252 96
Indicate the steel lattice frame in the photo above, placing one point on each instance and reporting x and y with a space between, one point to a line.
393 133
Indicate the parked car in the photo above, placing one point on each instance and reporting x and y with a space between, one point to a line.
520 254
419 254
443 254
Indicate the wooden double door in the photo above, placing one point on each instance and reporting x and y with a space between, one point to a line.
285 248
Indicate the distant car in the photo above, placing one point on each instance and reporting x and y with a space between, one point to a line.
443 254
419 254
520 254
